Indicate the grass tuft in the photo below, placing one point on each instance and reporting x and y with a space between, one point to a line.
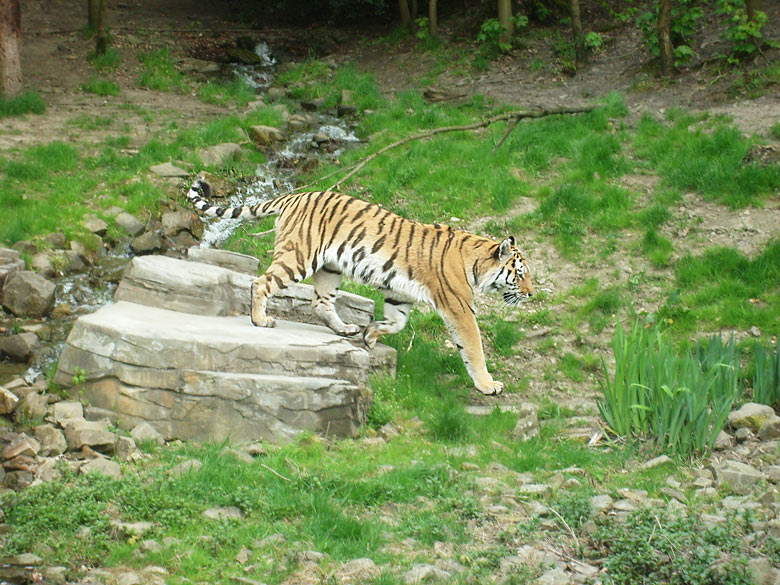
29 102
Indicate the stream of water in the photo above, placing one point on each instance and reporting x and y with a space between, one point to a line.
89 291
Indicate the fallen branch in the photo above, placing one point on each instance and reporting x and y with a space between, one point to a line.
516 116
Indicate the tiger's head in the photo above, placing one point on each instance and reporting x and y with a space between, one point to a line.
510 275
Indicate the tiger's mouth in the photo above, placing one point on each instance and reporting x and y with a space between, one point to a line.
515 298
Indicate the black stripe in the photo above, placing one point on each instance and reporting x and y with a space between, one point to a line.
389 264
330 271
288 270
392 301
236 212
397 233
378 244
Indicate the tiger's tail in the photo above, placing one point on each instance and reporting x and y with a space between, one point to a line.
200 193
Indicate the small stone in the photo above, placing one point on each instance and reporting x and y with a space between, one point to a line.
601 503
147 243
24 560
723 441
28 294
739 476
424 573
186 467
94 224
312 557
527 426
220 154
773 473
359 571
743 434
168 170
657 461
8 401
130 224
146 432
762 571
33 406
55 575
103 466
770 429
20 347
264 135
42 263
535 489
131 528
52 440
129 578
66 410
57 240
751 416
255 449
21 445
243 555
80 433
555 576
347 97
150 546
224 513
176 222
755 331
126 449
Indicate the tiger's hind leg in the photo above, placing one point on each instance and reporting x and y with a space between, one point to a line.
326 282
396 316
283 271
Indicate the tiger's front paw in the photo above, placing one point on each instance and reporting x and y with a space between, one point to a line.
264 322
491 388
348 330
370 337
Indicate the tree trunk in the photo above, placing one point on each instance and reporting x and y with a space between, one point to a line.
10 42
415 10
93 9
505 21
751 7
665 36
406 17
433 23
101 41
577 32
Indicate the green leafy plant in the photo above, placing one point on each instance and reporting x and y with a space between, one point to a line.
677 400
653 546
489 37
685 16
594 41
766 379
743 34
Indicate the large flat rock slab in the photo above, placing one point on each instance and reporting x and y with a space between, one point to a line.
204 377
210 289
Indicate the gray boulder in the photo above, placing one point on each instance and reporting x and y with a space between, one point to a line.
220 154
200 377
129 224
194 287
26 293
147 243
751 416
20 347
84 433
224 258
264 135
175 222
168 170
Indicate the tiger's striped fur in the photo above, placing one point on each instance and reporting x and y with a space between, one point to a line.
325 234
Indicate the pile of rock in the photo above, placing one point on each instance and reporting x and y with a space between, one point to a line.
177 350
31 454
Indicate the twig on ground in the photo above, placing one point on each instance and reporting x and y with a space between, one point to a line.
276 473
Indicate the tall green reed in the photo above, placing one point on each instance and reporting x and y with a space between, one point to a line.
679 401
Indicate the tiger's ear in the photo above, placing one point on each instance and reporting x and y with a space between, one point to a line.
503 248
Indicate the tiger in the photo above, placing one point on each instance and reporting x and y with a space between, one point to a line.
327 234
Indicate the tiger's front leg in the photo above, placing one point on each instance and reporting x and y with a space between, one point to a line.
278 276
465 333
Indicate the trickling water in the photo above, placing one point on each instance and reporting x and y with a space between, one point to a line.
276 177
261 75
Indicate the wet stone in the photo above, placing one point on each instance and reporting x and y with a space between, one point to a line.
28 294
128 223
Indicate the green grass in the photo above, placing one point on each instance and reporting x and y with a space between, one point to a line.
108 62
722 288
695 153
29 102
227 92
102 87
160 73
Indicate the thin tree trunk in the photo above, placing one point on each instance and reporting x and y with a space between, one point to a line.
665 36
101 41
415 10
577 32
10 42
505 21
93 9
433 22
406 17
751 7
